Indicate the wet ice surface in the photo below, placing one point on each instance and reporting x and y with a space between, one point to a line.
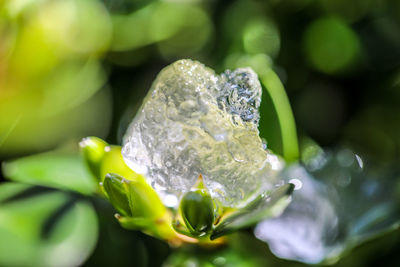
341 202
193 122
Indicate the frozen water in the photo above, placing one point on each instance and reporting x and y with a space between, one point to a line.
341 203
194 122
308 229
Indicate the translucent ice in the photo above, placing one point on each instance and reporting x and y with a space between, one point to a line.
194 122
341 201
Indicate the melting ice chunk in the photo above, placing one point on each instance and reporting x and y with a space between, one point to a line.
194 122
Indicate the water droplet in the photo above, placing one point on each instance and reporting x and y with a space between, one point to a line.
297 184
170 201
264 143
359 161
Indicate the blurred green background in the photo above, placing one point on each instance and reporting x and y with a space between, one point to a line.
75 68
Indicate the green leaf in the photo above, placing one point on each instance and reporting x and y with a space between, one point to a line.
241 250
265 206
44 227
53 169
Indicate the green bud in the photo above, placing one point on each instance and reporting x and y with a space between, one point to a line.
144 201
197 210
116 189
133 198
113 162
92 149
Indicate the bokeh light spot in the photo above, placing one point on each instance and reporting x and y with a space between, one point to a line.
261 36
330 45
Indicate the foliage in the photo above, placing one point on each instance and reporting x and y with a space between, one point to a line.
76 68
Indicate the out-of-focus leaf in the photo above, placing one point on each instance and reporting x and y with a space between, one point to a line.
23 130
242 251
44 227
54 85
69 85
160 21
265 206
342 201
191 36
58 170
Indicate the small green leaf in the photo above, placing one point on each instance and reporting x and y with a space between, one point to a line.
53 169
44 227
264 206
